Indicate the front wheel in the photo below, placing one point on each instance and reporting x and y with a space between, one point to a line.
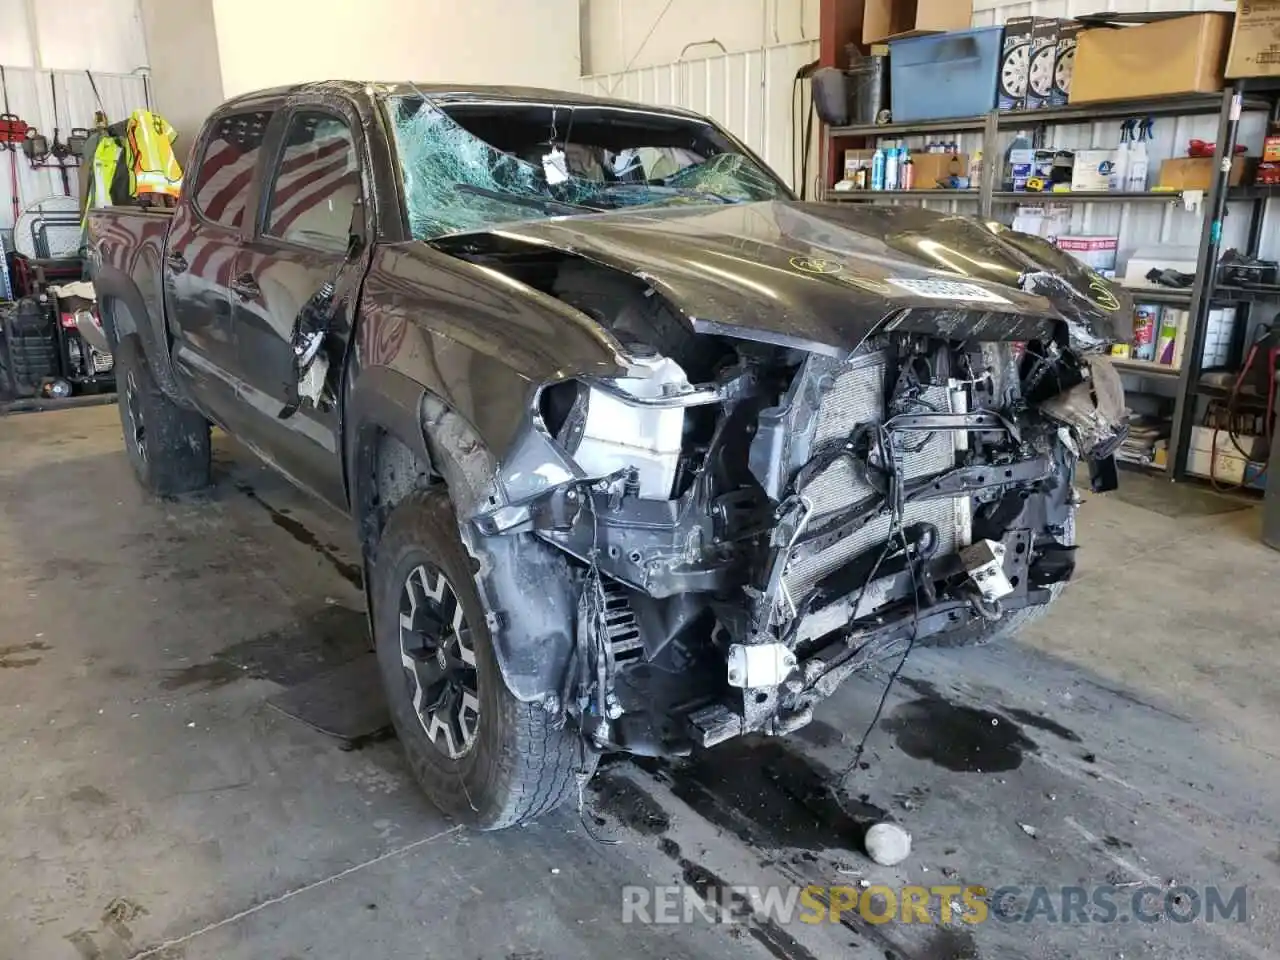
481 755
168 446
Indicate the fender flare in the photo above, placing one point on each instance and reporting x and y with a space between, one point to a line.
523 582
532 638
124 313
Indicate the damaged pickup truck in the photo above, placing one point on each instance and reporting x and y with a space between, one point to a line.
643 453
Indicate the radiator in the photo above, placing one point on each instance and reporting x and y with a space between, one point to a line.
857 397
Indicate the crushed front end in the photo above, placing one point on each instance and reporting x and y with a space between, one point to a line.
740 544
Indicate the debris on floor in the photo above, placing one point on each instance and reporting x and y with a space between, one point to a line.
888 844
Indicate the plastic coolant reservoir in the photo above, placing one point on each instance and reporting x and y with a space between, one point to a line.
617 434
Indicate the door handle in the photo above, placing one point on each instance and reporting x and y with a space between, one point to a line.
245 287
177 262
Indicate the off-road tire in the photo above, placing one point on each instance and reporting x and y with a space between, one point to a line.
168 446
520 765
1011 624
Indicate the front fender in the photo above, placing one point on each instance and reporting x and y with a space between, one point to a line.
524 583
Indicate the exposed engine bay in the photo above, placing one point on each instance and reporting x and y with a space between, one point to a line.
738 526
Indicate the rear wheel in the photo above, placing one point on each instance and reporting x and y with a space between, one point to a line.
480 754
168 446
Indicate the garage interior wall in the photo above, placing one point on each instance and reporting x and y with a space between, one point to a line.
182 51
263 44
734 60
47 45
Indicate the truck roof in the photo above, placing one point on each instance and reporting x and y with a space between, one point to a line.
456 92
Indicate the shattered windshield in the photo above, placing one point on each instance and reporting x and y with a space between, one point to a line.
470 164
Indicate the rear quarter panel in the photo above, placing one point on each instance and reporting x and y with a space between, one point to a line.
126 257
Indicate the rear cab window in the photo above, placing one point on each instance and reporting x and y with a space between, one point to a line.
224 183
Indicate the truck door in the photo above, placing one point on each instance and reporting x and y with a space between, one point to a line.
200 255
313 203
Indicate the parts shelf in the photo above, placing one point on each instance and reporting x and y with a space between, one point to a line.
1240 97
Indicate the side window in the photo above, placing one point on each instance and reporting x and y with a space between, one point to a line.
316 185
228 167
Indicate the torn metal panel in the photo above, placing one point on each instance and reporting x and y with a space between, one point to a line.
1093 410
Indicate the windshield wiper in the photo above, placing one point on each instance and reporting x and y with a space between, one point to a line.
545 204
661 191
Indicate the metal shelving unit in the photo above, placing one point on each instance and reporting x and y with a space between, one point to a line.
1242 97
867 196
1145 367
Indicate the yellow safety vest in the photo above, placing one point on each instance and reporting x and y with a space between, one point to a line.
152 166
105 159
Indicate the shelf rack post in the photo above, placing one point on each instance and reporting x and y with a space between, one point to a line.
1206 278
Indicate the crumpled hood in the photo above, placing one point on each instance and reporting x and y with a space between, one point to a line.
825 274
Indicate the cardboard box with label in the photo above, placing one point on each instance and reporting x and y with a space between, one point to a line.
1196 173
1164 59
883 19
1097 253
1214 453
1255 43
1091 170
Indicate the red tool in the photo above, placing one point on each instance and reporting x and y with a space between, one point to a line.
13 131
1205 150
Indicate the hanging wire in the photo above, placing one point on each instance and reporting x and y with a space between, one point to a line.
594 587
885 439
640 49
893 677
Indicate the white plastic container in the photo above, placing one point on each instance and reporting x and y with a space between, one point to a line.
618 434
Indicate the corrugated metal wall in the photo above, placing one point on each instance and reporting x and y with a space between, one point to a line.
31 98
61 39
751 94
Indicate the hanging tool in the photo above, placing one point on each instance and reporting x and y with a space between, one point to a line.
13 131
78 140
58 149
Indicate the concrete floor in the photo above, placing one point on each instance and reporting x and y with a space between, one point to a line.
153 805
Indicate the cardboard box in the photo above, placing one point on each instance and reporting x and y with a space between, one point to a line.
1091 170
1015 63
1255 42
1271 148
932 167
885 19
1228 466
1064 65
1098 253
852 158
1044 55
1255 448
1196 173
1163 59
1158 257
